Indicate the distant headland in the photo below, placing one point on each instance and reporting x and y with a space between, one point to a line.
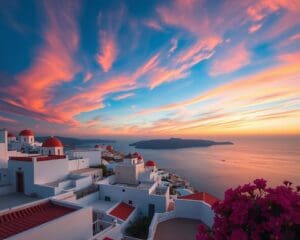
176 143
68 141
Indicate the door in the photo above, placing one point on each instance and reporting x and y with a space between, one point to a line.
151 210
20 182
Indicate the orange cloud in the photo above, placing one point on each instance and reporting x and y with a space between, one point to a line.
287 74
233 60
108 52
53 63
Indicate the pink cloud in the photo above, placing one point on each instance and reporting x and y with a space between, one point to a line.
53 64
87 77
108 52
124 96
269 84
9 120
154 25
174 45
233 60
254 28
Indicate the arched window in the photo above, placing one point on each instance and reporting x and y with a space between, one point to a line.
49 152
58 151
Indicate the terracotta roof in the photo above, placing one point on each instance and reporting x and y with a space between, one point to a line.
201 196
52 142
38 158
122 211
26 132
150 163
107 238
21 220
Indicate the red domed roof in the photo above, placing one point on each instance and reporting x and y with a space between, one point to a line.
97 146
26 132
11 135
150 163
52 142
109 148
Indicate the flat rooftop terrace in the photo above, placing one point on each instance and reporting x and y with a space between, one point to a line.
177 229
15 199
86 170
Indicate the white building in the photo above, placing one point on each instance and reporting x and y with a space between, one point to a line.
44 175
93 155
26 136
137 184
52 146
11 137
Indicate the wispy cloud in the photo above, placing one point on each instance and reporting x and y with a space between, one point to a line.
233 60
108 52
53 63
154 25
9 120
124 96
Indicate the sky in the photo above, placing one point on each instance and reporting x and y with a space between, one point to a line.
150 68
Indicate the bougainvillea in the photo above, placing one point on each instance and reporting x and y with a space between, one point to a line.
255 212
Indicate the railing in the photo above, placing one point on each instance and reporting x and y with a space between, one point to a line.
99 225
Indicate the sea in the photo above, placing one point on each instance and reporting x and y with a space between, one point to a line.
217 168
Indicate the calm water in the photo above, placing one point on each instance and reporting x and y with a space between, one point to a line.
214 169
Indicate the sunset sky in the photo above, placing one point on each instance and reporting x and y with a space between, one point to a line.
150 68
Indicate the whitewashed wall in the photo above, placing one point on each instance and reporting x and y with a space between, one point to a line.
3 149
195 210
93 156
4 176
139 197
49 171
27 168
77 164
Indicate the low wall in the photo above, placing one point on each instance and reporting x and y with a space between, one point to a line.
6 189
195 210
44 191
86 200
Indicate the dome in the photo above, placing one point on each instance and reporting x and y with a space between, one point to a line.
97 146
136 154
150 163
26 132
11 135
52 142
109 148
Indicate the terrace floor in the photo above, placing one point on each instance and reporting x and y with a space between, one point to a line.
15 199
177 229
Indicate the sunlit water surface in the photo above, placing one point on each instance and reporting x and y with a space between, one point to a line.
217 168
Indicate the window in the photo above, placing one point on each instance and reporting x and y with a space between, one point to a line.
49 152
130 202
107 199
58 151
123 190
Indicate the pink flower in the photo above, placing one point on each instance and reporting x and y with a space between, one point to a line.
238 234
270 212
260 183
287 183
